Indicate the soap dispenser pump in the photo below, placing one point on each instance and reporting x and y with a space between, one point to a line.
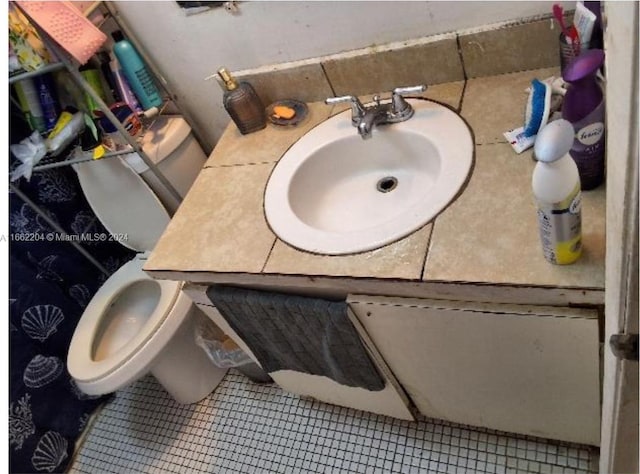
242 103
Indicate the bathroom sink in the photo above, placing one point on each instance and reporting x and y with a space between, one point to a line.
334 193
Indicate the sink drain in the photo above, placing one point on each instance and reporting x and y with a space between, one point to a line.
387 184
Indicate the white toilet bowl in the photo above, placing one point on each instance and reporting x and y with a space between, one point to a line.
135 325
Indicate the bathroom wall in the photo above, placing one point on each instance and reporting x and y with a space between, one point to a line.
187 49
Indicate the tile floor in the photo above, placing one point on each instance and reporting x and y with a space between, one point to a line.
244 427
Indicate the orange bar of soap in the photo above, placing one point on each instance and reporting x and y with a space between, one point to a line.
282 111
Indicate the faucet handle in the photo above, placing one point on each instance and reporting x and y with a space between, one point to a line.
400 106
409 90
357 109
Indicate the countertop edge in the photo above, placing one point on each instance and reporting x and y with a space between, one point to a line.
340 286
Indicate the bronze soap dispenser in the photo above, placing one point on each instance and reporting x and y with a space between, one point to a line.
242 103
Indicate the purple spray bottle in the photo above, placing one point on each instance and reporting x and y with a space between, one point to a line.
584 107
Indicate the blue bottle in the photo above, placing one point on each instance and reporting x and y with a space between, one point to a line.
48 100
136 72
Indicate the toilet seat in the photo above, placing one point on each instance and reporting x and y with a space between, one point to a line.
138 352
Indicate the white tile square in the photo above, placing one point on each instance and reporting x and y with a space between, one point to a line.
533 466
545 469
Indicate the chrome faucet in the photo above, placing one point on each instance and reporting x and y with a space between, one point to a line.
365 118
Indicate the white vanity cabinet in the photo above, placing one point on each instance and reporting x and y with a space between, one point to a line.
525 369
390 401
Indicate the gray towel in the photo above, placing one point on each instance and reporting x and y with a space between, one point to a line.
287 332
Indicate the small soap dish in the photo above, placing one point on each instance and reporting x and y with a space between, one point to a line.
299 109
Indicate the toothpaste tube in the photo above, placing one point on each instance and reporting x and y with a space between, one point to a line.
518 141
584 20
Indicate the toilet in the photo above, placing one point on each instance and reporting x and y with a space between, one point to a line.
136 325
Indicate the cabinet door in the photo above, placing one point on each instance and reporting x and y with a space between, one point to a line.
390 401
529 370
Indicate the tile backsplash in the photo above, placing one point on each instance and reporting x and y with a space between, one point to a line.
498 49
515 48
409 63
306 82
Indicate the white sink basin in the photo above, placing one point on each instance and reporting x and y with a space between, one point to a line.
334 193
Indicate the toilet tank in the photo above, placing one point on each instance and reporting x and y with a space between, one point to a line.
170 144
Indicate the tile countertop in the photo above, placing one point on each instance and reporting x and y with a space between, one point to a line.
488 235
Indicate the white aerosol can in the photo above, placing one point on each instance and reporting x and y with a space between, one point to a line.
556 187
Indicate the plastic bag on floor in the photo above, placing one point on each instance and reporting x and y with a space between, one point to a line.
220 348
225 353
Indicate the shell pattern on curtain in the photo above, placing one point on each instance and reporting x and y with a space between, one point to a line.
50 285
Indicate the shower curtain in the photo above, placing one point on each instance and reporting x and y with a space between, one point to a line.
51 283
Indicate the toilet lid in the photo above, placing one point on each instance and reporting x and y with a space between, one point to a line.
123 202
81 363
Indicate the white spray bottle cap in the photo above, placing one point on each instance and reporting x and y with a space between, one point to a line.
554 141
